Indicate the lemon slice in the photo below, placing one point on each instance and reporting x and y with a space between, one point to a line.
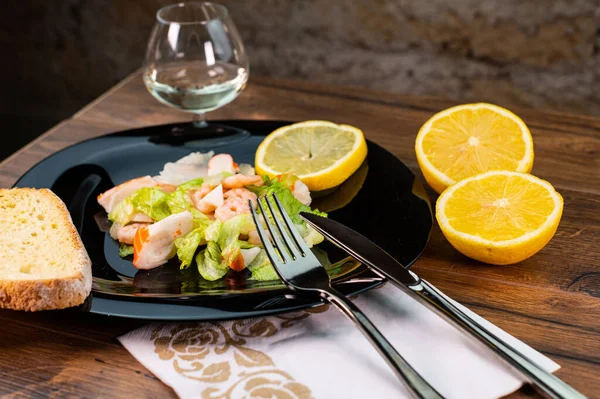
499 217
469 139
322 154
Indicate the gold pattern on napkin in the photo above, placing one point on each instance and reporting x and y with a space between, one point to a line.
248 373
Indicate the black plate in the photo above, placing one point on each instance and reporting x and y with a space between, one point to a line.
391 208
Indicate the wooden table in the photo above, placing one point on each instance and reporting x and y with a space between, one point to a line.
551 301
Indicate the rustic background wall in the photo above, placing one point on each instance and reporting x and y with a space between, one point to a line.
59 55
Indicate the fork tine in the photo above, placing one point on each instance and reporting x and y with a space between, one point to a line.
281 247
271 253
300 244
279 222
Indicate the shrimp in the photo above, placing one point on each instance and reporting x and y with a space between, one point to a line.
232 207
154 245
240 193
239 181
254 238
205 188
199 195
221 163
139 217
166 187
125 234
210 201
301 192
109 199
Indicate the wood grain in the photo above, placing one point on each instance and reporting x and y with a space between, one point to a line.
551 301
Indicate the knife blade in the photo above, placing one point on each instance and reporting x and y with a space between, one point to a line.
382 263
362 249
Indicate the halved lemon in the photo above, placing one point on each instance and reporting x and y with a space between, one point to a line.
322 154
469 139
499 217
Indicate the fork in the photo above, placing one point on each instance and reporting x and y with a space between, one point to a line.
301 271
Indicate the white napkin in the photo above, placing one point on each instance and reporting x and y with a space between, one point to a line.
320 354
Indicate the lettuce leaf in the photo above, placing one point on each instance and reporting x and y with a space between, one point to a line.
215 180
262 269
149 201
311 236
291 205
212 232
226 235
280 187
178 201
229 238
123 212
125 250
194 184
187 246
209 262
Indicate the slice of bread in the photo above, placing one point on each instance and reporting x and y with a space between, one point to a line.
43 263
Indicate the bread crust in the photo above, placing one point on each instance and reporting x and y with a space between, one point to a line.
46 294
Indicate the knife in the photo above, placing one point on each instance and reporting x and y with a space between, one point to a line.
383 264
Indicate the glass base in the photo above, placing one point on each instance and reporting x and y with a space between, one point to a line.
201 135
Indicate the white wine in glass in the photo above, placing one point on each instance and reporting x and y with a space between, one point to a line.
195 60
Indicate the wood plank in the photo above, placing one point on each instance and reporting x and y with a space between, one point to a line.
42 363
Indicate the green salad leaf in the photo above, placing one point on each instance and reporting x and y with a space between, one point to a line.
261 268
311 236
149 201
194 184
229 238
209 262
123 212
281 187
178 201
215 180
125 250
291 205
213 230
187 246
226 236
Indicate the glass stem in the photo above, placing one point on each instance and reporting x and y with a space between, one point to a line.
199 120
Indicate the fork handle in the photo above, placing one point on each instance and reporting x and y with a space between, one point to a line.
417 384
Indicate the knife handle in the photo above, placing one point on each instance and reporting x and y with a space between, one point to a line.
419 387
552 386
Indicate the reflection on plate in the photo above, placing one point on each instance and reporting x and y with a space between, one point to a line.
344 193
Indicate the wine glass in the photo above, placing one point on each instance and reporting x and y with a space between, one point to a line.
195 59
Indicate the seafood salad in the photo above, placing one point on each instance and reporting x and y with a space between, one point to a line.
197 209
